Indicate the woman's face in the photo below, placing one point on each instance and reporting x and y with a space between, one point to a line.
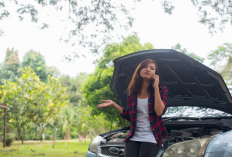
148 71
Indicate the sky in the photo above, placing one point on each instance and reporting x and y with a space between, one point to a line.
151 24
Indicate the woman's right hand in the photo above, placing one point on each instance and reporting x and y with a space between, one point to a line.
106 104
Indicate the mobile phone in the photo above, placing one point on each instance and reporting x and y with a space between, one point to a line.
153 81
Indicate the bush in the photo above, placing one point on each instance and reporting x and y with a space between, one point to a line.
47 137
10 137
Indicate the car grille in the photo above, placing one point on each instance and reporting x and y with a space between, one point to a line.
105 151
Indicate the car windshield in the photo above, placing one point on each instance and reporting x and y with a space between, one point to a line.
188 111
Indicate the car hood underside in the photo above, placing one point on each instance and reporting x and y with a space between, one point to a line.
189 82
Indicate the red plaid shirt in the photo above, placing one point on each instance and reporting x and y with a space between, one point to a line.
157 126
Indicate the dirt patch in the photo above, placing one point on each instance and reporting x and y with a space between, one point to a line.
41 154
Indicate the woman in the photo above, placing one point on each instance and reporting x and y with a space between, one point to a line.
146 105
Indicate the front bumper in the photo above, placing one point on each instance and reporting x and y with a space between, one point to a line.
91 154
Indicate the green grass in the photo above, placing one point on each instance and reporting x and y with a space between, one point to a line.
44 149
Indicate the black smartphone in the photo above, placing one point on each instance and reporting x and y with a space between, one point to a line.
153 80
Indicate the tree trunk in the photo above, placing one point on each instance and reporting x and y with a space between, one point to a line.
67 134
42 133
65 141
19 134
41 137
23 135
54 138
80 137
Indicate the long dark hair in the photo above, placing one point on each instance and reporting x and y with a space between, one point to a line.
136 81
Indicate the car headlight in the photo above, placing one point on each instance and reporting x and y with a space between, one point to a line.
94 144
220 146
193 148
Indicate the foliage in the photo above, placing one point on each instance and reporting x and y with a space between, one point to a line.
68 119
10 97
52 71
213 13
9 68
86 123
37 62
9 139
73 86
9 127
101 16
97 86
51 104
178 47
31 101
221 60
37 107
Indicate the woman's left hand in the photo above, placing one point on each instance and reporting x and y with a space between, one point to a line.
156 84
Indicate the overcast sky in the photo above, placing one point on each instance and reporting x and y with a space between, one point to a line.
151 24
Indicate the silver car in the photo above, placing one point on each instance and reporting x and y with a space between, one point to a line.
199 115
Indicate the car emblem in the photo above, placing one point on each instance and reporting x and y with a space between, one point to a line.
114 150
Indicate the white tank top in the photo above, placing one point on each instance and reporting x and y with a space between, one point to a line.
143 132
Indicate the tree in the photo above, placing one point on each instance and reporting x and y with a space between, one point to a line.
213 13
52 71
97 86
178 47
106 16
68 118
17 97
73 86
88 123
10 66
56 122
31 101
37 62
76 118
221 60
52 98
101 16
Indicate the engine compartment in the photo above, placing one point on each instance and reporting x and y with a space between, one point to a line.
182 135
176 133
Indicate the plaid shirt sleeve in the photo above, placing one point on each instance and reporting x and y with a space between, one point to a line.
164 97
125 112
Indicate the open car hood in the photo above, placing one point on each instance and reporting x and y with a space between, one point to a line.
189 82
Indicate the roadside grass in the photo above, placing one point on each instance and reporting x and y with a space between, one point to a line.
44 149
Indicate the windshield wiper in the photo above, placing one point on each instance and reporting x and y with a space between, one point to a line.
177 118
195 118
222 117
